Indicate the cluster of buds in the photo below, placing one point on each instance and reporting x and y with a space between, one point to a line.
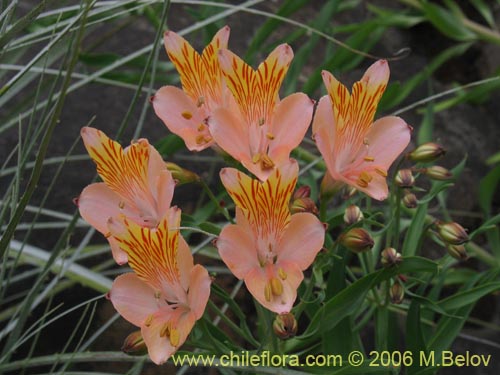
285 326
390 257
410 199
353 215
397 292
437 173
426 153
134 344
358 240
302 202
404 178
454 236
181 175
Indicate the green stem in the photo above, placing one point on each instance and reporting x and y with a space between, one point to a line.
397 214
232 325
215 201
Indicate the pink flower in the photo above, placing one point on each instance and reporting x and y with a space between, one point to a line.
268 247
166 294
263 132
185 112
358 151
136 184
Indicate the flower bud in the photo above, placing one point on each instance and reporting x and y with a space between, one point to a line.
134 344
452 233
302 192
397 293
410 200
353 215
405 178
303 205
181 175
426 153
390 257
329 187
457 251
437 172
357 240
285 326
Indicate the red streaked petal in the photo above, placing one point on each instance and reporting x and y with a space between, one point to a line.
324 132
256 92
188 63
152 253
265 203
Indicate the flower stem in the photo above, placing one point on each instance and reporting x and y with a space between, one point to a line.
214 199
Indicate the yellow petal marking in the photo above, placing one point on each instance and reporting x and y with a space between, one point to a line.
124 173
201 77
256 91
265 204
152 253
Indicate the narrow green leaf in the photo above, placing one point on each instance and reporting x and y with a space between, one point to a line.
446 22
467 297
488 186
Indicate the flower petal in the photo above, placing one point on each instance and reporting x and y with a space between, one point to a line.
291 119
302 239
324 132
230 134
160 347
387 139
256 92
152 253
257 280
97 203
201 76
199 290
182 117
124 172
237 247
133 298
263 202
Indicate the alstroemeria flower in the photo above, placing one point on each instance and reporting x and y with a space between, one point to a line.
264 131
136 183
185 112
358 151
268 247
166 294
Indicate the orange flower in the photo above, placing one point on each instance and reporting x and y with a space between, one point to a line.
358 151
136 183
268 247
262 133
185 112
166 294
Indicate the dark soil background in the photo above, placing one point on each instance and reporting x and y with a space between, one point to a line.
466 129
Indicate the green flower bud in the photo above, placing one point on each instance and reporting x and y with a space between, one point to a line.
426 153
357 240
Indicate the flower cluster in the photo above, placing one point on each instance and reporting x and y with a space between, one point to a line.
227 105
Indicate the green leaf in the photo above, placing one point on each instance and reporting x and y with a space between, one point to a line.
446 22
485 11
487 189
169 145
349 300
467 297
413 236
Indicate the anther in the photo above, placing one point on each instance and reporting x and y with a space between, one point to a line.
187 115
